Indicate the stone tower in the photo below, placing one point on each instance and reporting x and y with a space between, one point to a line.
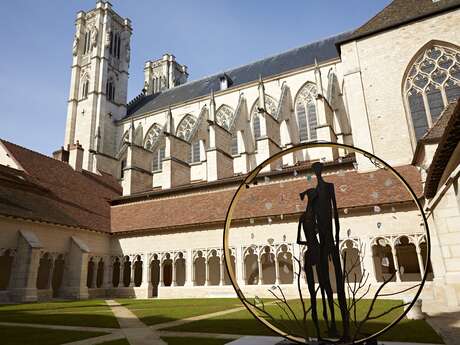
163 74
99 81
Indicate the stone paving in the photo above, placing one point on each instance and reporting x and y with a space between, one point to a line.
444 320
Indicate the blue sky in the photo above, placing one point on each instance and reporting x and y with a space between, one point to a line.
208 36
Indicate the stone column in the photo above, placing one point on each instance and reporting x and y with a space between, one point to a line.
133 262
396 263
161 272
108 271
95 269
222 270
259 266
122 269
50 277
421 264
206 267
369 262
296 253
146 277
173 268
239 265
277 273
189 269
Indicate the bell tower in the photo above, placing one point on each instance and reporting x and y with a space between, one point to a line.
99 81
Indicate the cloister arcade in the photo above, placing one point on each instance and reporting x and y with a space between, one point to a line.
269 264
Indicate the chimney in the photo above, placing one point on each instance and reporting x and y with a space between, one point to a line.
76 156
61 155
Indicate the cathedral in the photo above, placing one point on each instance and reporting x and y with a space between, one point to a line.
134 202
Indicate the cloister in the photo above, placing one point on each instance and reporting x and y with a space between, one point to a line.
262 265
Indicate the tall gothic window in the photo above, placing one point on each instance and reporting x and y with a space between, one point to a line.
87 46
158 156
224 117
256 126
84 93
195 152
235 144
110 90
152 136
432 82
186 127
305 107
115 43
122 168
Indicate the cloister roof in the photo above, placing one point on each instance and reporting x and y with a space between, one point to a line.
400 12
322 50
51 191
202 208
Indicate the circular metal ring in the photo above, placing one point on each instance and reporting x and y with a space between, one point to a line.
253 174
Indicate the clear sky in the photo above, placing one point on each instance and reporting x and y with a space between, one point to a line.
209 36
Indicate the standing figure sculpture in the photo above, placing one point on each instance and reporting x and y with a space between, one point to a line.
312 259
323 209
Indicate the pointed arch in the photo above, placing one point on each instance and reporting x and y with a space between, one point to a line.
186 127
152 136
123 140
225 116
336 102
271 105
305 109
431 81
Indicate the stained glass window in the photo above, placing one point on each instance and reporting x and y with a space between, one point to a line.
158 157
186 127
195 152
432 82
224 117
152 136
305 107
235 144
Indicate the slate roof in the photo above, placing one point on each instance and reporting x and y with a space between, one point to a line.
49 190
401 12
210 207
322 50
449 141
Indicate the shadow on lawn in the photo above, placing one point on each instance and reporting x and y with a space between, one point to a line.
98 318
406 331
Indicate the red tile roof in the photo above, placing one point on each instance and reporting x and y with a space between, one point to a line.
210 207
50 190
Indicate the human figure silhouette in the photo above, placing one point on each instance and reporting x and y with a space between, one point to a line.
307 221
313 258
325 209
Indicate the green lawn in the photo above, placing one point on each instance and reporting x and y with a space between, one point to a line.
12 335
156 311
93 313
123 341
242 322
191 341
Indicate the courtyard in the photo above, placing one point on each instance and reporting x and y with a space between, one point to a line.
171 321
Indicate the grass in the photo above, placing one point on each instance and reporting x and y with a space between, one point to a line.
123 341
92 313
152 312
192 341
12 335
242 322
